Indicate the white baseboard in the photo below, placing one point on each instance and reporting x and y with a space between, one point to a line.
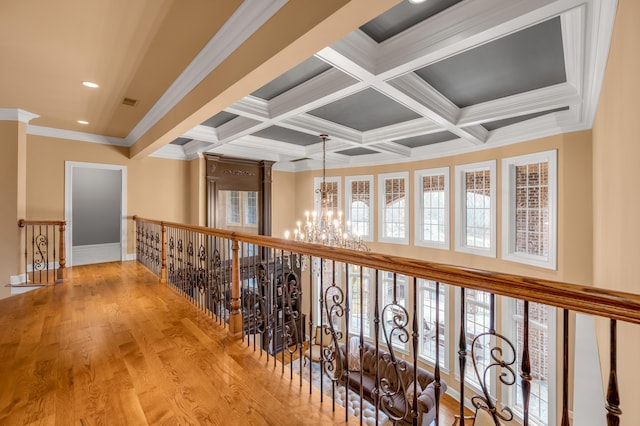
131 256
95 253
18 279
23 289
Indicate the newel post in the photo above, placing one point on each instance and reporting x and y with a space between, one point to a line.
163 256
60 273
235 318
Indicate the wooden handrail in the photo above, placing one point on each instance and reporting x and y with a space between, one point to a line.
590 300
24 222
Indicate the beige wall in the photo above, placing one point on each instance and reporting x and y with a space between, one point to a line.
197 192
616 149
574 216
156 188
284 202
12 207
574 207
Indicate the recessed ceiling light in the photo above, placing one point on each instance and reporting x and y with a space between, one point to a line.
90 84
83 122
417 1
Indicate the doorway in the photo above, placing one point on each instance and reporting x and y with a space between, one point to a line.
95 211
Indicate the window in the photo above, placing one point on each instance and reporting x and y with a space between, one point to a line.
251 208
432 208
427 312
332 185
233 208
475 209
394 217
394 287
360 312
326 273
241 208
477 321
542 353
529 209
359 212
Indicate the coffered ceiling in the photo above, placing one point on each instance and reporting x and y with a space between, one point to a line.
413 81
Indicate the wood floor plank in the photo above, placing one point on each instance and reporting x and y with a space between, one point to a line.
111 345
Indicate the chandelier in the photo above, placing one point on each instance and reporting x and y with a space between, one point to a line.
326 226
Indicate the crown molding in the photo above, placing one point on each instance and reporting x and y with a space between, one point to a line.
16 114
246 20
170 152
52 132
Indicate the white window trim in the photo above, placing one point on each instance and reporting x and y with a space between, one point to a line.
508 209
372 204
402 348
419 219
317 181
509 331
461 208
444 363
369 274
381 208
456 361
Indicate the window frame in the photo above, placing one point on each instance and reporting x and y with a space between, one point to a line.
382 178
509 206
317 181
405 281
461 208
472 384
444 360
509 330
372 204
419 208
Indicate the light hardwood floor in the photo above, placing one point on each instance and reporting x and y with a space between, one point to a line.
112 346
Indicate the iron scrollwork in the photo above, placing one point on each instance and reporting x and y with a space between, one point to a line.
333 299
502 361
399 329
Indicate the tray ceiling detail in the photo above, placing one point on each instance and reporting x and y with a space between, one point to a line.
421 81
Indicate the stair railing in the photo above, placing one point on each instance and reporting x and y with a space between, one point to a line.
44 251
217 268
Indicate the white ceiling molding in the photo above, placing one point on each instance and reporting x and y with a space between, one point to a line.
16 114
170 152
75 136
359 63
245 21
544 99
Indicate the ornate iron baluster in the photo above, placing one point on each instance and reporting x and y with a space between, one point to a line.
462 349
334 299
400 321
436 372
525 374
565 367
506 374
613 398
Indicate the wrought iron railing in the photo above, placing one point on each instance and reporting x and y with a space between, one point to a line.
269 290
44 251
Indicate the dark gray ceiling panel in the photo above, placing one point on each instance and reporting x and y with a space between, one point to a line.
287 135
403 16
357 151
424 140
292 78
181 141
219 119
529 59
513 120
365 110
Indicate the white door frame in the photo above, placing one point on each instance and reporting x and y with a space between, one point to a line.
68 213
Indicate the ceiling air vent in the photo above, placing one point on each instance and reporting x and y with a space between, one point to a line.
129 102
300 159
